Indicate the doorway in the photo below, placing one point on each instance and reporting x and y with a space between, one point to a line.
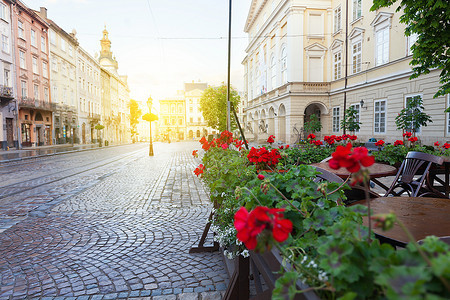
9 132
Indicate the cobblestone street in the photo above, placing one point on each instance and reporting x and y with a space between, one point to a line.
122 234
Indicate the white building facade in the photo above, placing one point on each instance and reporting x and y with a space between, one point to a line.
320 57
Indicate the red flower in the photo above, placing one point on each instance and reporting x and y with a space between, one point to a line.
224 146
311 136
203 140
250 225
344 157
194 153
380 143
199 170
446 146
261 177
263 157
353 137
318 143
407 134
436 144
398 142
271 139
281 147
287 146
413 139
338 138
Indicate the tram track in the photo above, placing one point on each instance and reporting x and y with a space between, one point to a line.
53 177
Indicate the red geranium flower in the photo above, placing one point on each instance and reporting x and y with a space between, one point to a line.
338 138
380 143
261 177
446 146
194 153
224 146
203 140
413 139
352 161
250 225
311 136
398 142
287 146
407 134
436 144
318 143
199 170
353 137
271 139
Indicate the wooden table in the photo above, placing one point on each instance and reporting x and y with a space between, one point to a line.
376 170
422 216
444 169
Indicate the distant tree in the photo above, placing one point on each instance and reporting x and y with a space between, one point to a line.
213 105
99 127
135 114
412 117
430 20
313 125
350 122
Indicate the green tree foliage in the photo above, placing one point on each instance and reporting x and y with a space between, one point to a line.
350 122
135 114
213 105
150 117
412 116
313 125
430 19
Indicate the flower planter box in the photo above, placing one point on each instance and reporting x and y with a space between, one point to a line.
263 269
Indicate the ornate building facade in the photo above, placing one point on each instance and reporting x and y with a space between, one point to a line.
321 57
32 76
196 126
172 118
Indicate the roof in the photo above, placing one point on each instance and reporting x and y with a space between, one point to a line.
195 86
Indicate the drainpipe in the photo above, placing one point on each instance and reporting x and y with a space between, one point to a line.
346 59
14 77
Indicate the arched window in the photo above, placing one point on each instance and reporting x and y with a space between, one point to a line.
273 72
283 65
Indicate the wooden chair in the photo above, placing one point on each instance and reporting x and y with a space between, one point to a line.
413 176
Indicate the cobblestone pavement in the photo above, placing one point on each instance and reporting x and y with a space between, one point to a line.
126 236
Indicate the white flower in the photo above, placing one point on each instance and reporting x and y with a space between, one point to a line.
245 253
238 242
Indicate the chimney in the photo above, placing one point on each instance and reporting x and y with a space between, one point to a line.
43 12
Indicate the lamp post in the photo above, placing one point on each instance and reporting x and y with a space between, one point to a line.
149 104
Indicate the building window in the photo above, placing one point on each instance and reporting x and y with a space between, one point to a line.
23 85
70 50
3 11
44 69
337 19
380 116
63 45
5 43
43 44
54 64
412 39
55 94
21 30
46 94
52 37
174 121
356 9
448 115
33 38
191 109
357 117
273 72
35 65
382 46
22 59
7 79
36 91
336 119
199 119
356 57
180 121
337 62
284 65
191 120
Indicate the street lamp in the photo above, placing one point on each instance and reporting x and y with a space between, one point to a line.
149 104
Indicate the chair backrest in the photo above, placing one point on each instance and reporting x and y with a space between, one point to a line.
327 176
416 163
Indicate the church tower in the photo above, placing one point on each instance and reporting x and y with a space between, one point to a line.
106 59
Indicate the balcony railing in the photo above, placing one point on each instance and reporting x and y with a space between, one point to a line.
6 92
25 102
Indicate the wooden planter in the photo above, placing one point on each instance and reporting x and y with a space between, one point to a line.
263 269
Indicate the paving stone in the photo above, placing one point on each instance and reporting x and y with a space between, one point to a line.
211 296
165 297
188 296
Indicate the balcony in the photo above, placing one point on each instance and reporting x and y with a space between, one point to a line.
6 92
25 102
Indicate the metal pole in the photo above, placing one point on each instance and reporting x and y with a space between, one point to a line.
229 67
150 153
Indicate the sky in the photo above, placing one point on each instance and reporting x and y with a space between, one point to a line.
159 44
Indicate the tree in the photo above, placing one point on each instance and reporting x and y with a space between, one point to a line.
213 105
313 125
430 20
135 114
350 122
99 127
412 116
